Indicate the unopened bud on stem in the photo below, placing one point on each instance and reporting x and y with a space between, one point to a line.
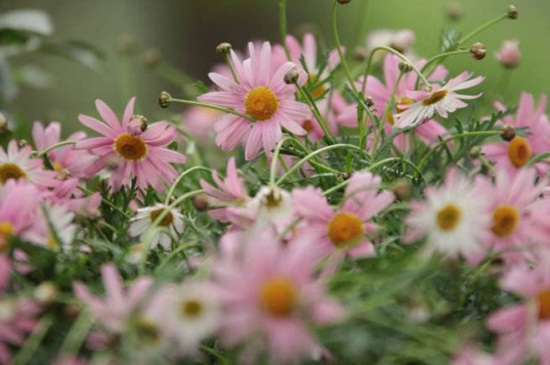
508 132
164 99
512 12
405 67
291 76
223 48
478 51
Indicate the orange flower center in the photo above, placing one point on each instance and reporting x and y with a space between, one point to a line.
131 148
398 110
519 151
543 301
7 231
261 103
308 125
319 90
191 308
435 97
278 297
505 220
11 171
165 221
345 228
448 217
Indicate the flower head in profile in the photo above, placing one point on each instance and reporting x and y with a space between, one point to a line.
455 218
509 55
440 99
261 95
140 150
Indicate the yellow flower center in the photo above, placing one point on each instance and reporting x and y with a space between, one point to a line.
130 147
448 217
319 90
398 110
543 301
7 231
191 308
308 125
345 228
10 171
261 103
278 297
147 330
53 243
519 151
505 220
165 221
435 97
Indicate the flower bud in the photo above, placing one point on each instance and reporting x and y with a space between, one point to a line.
112 163
291 77
454 10
369 101
46 292
360 53
343 2
405 67
223 48
3 123
22 143
508 133
509 55
126 44
512 12
401 188
200 202
164 99
152 57
475 152
478 51
139 122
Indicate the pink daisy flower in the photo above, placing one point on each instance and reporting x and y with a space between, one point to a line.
65 160
524 329
514 155
17 320
455 218
441 100
17 163
260 94
400 40
140 154
347 228
230 191
268 295
509 54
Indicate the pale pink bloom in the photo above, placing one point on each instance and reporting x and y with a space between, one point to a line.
471 355
140 154
188 314
268 295
524 329
348 229
230 191
388 91
17 321
17 163
119 305
532 138
454 217
55 228
514 208
169 228
260 94
198 122
69 360
509 55
400 40
441 100
65 160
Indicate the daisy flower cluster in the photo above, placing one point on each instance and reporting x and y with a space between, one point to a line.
315 204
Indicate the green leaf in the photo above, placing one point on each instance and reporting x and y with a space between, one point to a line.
538 158
78 51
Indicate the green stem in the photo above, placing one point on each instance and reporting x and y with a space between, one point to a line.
306 95
32 343
481 28
283 26
182 175
339 48
430 152
274 159
442 56
175 252
76 335
311 155
115 207
363 24
211 106
231 68
53 147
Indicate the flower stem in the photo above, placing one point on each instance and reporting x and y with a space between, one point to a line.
274 159
211 106
53 147
481 28
283 26
76 335
306 95
30 346
339 48
182 175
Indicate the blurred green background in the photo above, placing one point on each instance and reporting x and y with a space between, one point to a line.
186 32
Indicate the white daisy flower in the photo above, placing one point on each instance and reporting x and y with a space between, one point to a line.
441 100
170 226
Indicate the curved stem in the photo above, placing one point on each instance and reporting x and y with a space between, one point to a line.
211 106
306 95
481 28
442 56
53 147
274 159
311 155
339 48
182 175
